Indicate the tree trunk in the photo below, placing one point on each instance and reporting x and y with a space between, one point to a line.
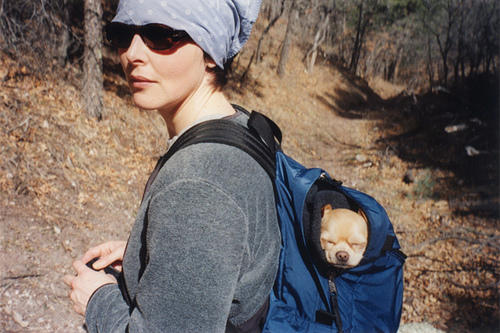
244 76
342 40
430 66
318 39
64 41
287 43
92 60
356 50
272 22
264 34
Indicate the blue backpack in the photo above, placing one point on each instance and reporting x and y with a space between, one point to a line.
309 295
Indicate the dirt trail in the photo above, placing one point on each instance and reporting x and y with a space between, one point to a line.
68 183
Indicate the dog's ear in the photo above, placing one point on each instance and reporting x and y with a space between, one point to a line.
360 212
325 209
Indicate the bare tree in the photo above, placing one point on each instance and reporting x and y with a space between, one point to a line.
318 39
287 43
365 12
22 25
64 40
465 37
280 4
92 66
446 45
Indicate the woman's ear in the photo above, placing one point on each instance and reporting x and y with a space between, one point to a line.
210 63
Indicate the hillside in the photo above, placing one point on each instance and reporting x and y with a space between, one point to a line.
69 182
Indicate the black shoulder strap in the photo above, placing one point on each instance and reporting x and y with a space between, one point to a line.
260 140
266 129
263 127
228 133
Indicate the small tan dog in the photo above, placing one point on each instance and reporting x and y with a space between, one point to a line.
344 235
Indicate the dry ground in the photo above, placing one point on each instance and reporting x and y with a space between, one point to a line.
68 182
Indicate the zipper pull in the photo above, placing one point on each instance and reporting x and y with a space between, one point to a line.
333 286
326 178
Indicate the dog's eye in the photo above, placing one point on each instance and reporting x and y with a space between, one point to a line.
358 246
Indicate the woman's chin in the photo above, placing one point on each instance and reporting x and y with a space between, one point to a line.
145 104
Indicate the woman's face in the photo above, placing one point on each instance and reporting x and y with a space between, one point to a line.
164 80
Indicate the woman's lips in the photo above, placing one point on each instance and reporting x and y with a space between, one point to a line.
139 82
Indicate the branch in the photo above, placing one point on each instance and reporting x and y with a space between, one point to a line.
25 122
478 287
24 276
492 240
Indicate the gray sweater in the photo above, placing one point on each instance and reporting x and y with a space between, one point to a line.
204 247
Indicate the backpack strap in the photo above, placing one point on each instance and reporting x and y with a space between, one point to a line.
267 129
263 127
229 133
256 140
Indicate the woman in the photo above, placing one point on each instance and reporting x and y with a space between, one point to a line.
203 253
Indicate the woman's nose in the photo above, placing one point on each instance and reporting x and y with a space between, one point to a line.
136 52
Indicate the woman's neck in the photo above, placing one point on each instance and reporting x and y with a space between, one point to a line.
195 108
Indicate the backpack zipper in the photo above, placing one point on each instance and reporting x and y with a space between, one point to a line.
335 303
324 177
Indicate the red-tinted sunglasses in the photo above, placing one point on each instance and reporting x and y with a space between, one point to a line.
156 36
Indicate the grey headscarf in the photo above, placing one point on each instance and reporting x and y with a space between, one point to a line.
219 27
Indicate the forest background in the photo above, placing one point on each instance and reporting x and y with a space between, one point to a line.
399 98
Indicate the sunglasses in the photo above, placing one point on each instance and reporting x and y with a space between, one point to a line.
157 37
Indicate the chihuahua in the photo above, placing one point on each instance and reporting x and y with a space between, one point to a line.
344 236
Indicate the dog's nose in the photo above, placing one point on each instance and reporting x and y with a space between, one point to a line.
342 256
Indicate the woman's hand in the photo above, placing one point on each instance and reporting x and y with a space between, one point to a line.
110 253
84 284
